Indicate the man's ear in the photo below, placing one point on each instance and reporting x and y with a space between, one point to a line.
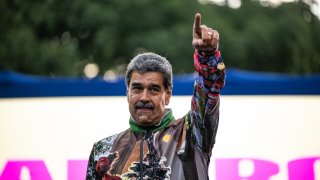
168 95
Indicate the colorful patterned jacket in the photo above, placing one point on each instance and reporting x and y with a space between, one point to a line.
175 149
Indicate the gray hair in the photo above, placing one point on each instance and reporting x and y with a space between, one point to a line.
150 62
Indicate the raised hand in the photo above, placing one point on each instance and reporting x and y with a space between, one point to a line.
204 38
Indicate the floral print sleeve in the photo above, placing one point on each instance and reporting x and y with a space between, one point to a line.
205 101
100 150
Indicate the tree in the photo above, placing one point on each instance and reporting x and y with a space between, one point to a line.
61 37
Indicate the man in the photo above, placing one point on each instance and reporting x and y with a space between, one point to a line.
156 146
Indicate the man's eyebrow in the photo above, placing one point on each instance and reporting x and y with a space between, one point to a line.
136 84
155 85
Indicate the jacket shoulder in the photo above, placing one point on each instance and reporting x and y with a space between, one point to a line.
104 146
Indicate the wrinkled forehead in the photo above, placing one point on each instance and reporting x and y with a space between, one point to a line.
146 78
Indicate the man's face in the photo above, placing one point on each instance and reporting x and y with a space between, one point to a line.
147 97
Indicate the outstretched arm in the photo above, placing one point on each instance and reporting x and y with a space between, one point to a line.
209 64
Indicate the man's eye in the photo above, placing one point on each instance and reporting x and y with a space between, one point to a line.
136 88
155 89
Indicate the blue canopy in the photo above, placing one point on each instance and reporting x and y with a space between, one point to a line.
238 82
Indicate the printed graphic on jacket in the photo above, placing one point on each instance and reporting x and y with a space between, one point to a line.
105 164
152 167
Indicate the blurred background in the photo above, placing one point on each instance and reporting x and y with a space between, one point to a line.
61 81
68 38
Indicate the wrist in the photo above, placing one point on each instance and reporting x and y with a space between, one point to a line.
205 53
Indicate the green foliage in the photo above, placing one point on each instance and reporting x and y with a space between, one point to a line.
61 37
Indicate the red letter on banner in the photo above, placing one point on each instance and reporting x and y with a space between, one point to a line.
229 169
37 170
302 168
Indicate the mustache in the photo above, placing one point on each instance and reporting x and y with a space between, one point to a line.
144 105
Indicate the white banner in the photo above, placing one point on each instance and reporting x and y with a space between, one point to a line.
259 137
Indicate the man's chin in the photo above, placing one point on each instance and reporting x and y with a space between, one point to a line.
145 121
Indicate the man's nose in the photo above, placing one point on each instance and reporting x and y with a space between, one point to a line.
144 95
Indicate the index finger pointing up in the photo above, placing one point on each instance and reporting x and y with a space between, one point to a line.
197 23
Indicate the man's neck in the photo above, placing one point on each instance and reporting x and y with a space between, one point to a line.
164 122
